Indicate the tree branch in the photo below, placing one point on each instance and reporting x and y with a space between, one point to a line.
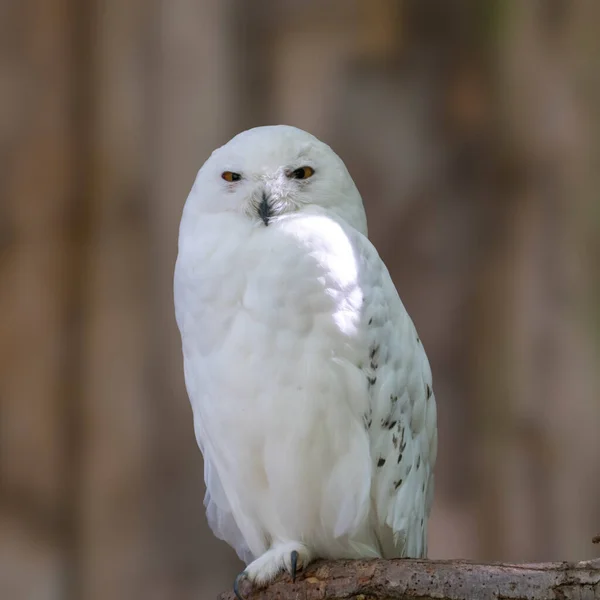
423 579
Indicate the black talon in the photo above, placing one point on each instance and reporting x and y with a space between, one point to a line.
236 586
294 565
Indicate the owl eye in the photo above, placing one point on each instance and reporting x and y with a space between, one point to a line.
231 176
302 173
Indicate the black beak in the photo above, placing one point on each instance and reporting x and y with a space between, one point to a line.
264 210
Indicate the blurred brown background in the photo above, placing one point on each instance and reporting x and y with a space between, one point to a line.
472 129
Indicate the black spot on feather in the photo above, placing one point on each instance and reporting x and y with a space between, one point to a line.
395 440
428 391
381 462
371 380
397 484
372 353
402 440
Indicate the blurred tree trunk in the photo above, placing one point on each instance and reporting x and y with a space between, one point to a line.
116 358
36 192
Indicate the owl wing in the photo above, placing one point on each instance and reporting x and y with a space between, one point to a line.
401 419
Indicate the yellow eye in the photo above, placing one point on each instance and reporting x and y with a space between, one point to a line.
302 173
230 176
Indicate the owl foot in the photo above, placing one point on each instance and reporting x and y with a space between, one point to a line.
291 556
294 565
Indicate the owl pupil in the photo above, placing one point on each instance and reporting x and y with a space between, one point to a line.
299 173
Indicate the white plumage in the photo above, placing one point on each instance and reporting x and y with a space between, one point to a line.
311 391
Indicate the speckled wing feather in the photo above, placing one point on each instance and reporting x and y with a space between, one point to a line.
401 419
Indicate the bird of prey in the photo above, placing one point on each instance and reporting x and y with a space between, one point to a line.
311 392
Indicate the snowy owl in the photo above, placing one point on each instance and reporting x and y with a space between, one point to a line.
311 391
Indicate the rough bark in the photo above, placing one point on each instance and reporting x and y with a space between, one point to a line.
452 580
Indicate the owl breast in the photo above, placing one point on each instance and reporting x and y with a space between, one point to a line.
276 300
273 343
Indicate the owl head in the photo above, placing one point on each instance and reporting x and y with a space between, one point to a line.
267 173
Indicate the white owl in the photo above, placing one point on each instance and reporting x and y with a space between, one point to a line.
311 391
